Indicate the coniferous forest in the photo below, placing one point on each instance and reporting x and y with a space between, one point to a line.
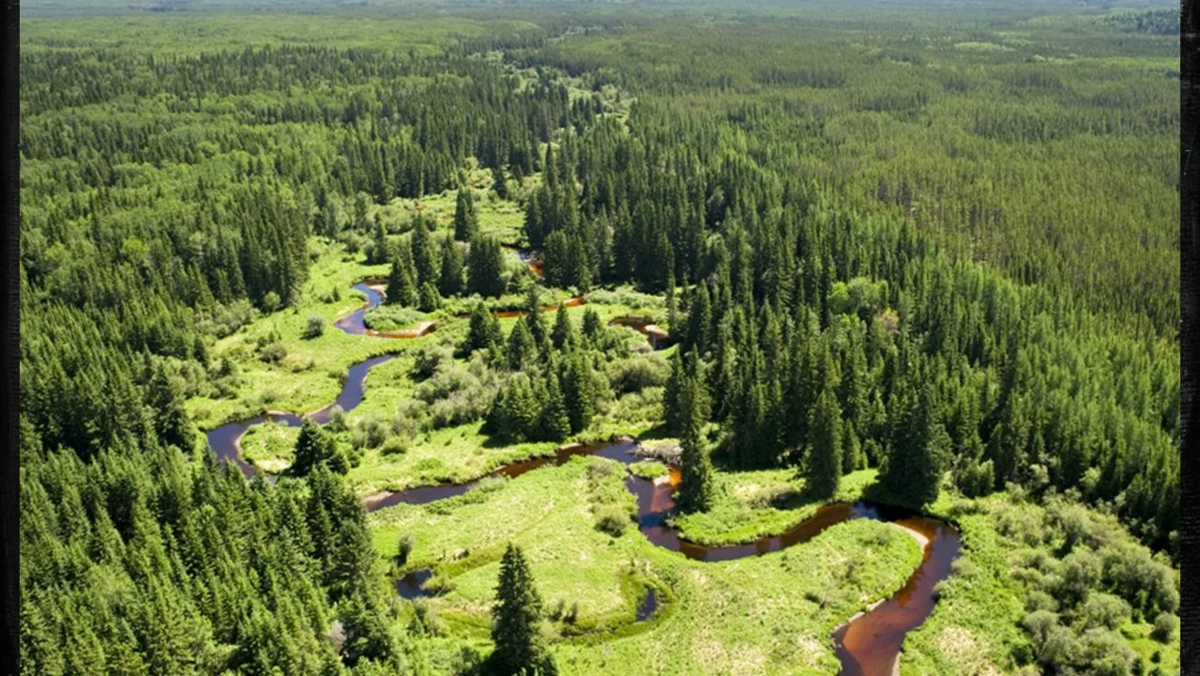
588 338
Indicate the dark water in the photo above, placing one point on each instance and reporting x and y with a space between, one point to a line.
869 645
411 585
530 257
647 607
658 337
355 322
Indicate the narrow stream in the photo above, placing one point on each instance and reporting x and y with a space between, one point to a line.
869 645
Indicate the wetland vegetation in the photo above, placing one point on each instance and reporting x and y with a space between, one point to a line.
638 339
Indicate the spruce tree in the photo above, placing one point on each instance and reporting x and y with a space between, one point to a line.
515 617
695 486
483 333
485 268
578 392
424 256
466 219
823 468
314 447
520 349
919 451
563 335
554 423
450 278
400 289
428 300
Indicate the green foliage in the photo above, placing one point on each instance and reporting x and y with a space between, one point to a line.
823 467
515 615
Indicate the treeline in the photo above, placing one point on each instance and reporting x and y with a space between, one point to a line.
792 298
1053 169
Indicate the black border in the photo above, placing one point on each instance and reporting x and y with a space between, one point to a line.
9 207
1189 231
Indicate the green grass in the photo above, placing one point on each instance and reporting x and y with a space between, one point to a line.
755 613
750 505
648 469
976 625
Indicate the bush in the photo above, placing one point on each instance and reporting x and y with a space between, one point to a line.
976 479
1103 610
638 373
394 446
405 548
612 519
428 358
1165 626
272 353
369 433
314 327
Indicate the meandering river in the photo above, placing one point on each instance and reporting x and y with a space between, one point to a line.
868 645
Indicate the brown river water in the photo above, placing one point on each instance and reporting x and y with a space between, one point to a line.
869 645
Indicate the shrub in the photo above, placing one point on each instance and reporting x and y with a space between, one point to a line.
1103 610
638 373
272 353
314 327
976 479
1165 626
369 433
405 548
394 446
428 358
612 519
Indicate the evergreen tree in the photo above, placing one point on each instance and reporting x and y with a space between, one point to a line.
164 395
695 485
450 279
314 447
429 300
483 333
515 618
578 391
554 423
824 464
485 268
466 219
424 256
400 289
563 336
919 451
520 349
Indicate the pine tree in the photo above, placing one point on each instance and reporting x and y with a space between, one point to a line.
563 336
695 486
554 423
485 268
515 618
314 447
466 219
450 279
520 349
823 468
484 331
400 289
578 392
534 321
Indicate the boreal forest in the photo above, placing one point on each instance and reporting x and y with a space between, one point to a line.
395 337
